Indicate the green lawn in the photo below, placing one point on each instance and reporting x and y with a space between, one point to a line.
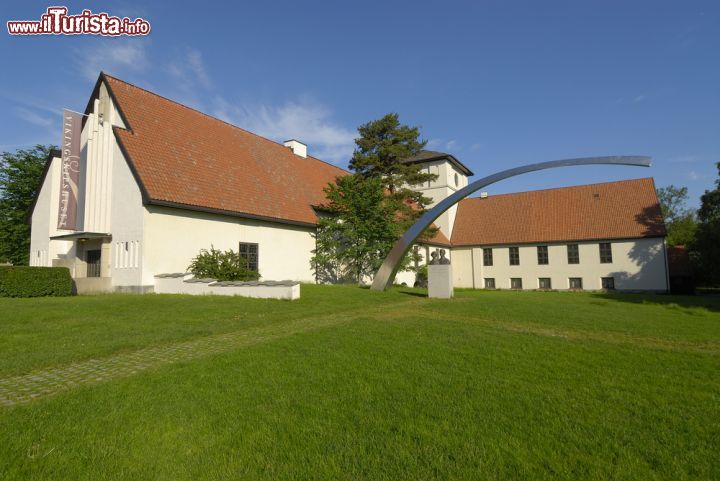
489 385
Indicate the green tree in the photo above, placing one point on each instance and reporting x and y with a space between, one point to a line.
20 174
354 231
680 220
382 148
706 248
369 210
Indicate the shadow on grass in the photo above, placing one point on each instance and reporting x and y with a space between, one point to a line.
710 303
414 293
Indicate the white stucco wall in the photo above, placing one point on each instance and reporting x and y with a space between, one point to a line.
44 221
109 202
637 264
98 154
127 217
173 237
441 188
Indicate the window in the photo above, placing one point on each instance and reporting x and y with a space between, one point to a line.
608 283
487 257
250 253
92 258
457 180
489 283
605 253
515 283
573 254
514 256
544 283
542 255
576 283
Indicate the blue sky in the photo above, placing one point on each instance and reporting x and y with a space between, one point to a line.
496 83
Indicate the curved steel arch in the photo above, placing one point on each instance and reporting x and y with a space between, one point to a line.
385 275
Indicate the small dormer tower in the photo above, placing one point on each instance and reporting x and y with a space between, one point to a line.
452 176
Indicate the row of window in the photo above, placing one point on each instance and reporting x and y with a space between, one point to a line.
608 283
127 255
543 258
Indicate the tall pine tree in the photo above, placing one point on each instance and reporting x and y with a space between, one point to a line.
369 210
382 149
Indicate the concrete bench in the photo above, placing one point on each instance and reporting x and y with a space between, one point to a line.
183 283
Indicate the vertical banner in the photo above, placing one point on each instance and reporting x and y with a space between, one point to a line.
70 172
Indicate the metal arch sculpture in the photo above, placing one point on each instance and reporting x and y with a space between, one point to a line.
385 275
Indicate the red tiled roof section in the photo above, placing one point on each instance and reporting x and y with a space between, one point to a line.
183 156
613 210
438 239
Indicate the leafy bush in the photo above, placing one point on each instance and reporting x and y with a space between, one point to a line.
223 266
23 281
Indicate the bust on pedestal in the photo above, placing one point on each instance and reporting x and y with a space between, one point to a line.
440 279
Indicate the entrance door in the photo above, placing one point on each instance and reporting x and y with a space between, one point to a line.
92 258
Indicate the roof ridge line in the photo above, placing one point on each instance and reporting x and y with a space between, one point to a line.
212 117
652 179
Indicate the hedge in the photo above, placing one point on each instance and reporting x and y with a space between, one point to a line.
23 281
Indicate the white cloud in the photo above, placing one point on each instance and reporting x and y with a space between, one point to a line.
434 143
476 146
36 119
444 145
189 70
116 56
692 175
640 98
305 119
197 67
189 78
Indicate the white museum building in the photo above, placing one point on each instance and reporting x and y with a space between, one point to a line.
157 181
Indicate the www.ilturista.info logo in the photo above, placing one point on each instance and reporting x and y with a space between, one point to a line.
56 21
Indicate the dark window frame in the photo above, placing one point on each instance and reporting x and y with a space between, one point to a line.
94 266
519 282
573 253
489 280
540 283
609 286
543 255
251 258
514 256
605 249
570 283
487 256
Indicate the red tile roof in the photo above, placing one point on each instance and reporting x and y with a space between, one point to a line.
184 157
612 210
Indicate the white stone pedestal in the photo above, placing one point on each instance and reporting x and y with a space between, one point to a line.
440 281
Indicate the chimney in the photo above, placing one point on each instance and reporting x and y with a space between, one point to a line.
297 147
